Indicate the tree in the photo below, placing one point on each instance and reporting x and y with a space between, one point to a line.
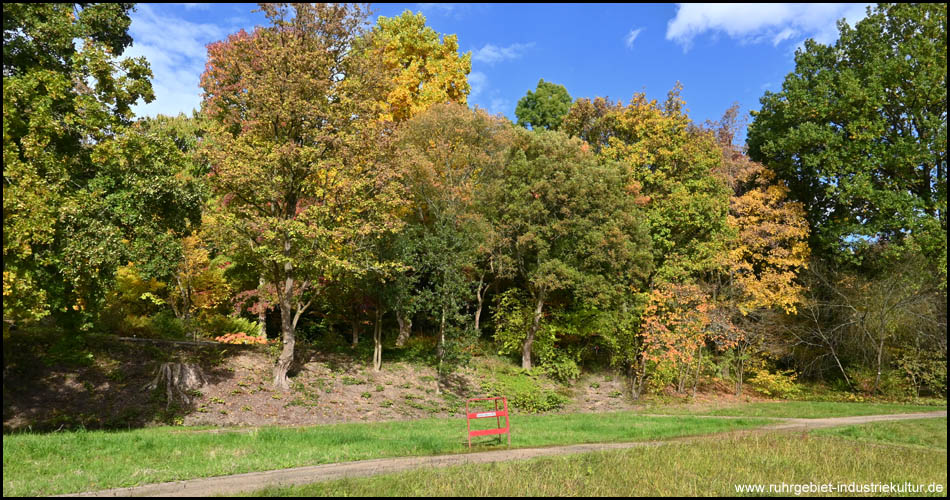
447 154
567 224
671 166
83 192
422 69
859 133
544 108
297 151
759 272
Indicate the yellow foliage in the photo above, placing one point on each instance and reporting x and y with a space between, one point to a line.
424 70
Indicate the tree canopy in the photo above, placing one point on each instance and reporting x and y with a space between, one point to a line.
83 191
544 108
859 133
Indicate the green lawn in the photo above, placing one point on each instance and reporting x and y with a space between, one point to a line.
800 409
69 462
928 433
708 467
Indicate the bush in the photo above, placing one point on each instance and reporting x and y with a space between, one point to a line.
892 384
523 392
563 369
420 349
241 338
165 325
779 384
216 325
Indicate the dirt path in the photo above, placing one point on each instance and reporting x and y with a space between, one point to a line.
229 485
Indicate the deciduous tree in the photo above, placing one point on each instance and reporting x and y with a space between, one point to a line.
83 192
544 108
859 133
297 152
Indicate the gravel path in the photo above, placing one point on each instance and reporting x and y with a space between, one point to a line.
229 485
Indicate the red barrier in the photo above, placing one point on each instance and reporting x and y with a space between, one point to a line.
488 414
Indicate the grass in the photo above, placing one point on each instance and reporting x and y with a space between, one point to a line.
800 409
708 467
928 433
70 462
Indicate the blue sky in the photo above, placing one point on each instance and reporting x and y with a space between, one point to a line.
722 53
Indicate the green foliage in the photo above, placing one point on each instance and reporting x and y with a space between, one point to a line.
218 324
567 227
779 384
923 369
165 325
892 384
668 171
512 318
83 191
563 369
859 133
523 391
545 108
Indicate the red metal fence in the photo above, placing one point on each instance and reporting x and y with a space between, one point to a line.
497 413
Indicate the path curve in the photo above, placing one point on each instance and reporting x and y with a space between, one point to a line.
229 485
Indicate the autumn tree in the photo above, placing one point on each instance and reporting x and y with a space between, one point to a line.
759 273
448 153
83 192
296 148
421 69
671 165
566 224
545 107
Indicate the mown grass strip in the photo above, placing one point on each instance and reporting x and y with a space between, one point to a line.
800 409
928 433
46 464
709 467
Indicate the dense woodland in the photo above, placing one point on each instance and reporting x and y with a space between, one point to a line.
335 184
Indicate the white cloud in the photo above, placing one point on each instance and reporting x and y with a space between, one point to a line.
175 49
441 7
198 6
785 34
628 40
490 54
755 23
478 81
499 105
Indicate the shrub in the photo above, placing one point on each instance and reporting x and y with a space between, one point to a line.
563 369
892 383
166 326
523 392
241 338
216 325
779 384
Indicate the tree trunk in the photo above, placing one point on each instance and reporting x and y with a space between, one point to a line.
378 341
480 294
262 312
287 334
179 380
526 348
699 367
636 374
405 327
355 322
739 370
880 354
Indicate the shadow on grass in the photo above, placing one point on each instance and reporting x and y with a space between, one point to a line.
55 381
